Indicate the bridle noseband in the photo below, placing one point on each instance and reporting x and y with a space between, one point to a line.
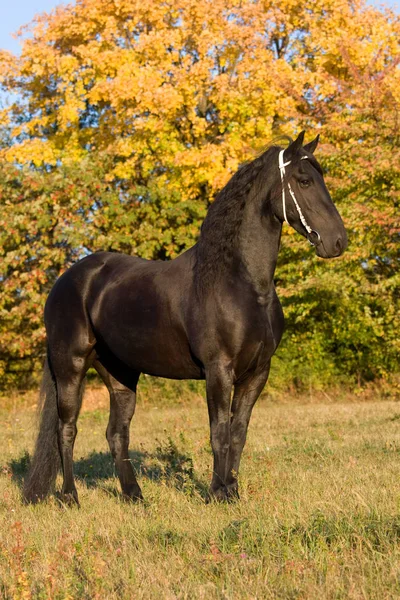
282 170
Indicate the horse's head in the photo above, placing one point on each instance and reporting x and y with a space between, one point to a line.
304 202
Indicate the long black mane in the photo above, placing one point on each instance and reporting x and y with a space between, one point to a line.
220 229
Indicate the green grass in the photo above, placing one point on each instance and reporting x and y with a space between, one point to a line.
318 517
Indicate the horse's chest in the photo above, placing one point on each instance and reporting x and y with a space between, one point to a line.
246 334
263 321
260 338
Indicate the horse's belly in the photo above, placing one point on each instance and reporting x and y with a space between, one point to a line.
154 346
162 358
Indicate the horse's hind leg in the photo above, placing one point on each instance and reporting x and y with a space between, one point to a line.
69 375
122 408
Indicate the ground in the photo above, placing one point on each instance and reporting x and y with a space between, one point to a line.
318 516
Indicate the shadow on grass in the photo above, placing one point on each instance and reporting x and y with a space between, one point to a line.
18 467
166 464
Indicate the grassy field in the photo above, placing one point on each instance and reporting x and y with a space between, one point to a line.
318 517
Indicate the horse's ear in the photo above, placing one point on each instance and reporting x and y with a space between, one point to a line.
310 147
295 146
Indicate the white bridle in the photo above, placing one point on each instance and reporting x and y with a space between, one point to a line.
282 170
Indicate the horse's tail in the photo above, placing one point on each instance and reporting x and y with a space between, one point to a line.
46 459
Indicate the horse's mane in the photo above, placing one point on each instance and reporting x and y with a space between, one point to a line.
220 228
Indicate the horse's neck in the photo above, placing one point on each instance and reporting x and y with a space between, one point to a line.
258 247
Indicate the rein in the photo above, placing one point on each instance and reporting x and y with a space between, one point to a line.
310 232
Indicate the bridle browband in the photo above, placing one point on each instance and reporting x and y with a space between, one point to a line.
282 170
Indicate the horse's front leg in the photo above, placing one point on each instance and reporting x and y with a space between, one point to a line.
219 387
244 398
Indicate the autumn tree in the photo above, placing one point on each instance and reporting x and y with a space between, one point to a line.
129 117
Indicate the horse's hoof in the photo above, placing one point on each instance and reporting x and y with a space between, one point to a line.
69 499
218 495
132 494
232 493
135 498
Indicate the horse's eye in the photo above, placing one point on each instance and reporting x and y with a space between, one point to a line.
304 183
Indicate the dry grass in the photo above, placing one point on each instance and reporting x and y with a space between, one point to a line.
318 516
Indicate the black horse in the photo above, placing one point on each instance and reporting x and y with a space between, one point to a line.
211 313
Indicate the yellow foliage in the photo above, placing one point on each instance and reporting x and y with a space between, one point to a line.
192 83
135 114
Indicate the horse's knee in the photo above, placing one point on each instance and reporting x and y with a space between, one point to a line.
67 432
117 438
78 364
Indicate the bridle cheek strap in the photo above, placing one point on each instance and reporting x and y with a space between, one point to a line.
282 170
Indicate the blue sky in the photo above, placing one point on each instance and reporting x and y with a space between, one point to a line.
20 12
14 13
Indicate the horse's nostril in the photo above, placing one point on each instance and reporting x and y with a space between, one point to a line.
339 244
